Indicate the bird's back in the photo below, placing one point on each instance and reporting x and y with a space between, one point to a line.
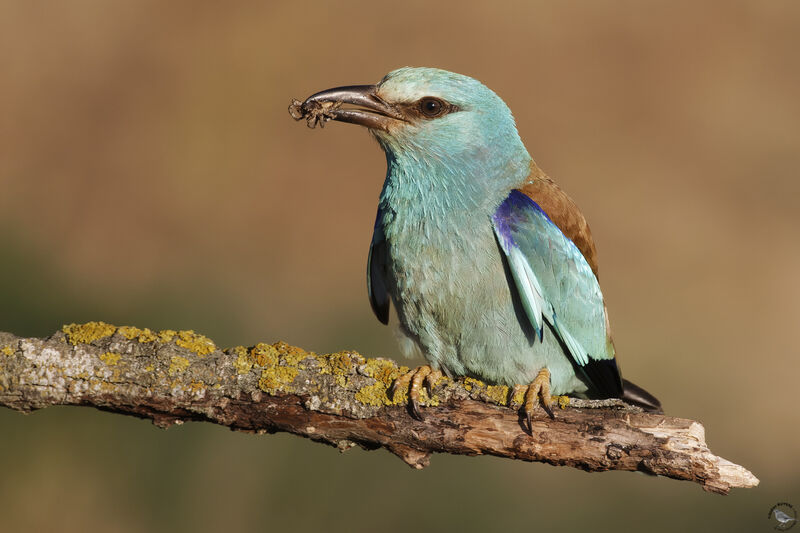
563 211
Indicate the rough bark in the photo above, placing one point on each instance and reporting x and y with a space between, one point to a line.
340 399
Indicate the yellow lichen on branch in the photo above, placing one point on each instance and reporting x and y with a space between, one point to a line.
199 344
110 358
89 332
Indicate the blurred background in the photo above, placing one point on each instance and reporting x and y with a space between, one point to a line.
150 175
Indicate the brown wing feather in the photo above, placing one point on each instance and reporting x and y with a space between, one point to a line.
562 211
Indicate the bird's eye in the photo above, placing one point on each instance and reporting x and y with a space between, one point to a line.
431 107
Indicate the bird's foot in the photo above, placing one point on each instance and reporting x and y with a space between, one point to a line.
537 393
413 380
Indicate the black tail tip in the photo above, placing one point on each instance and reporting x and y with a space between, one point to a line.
634 394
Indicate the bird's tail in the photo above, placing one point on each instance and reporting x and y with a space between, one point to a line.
636 395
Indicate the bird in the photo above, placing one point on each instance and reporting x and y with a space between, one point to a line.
782 517
489 264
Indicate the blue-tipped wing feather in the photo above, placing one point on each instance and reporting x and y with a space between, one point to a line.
557 287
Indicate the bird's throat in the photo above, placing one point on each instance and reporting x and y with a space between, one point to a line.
439 189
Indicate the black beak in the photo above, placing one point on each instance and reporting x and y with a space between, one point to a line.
370 110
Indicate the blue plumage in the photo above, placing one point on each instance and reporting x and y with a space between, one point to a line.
487 281
557 286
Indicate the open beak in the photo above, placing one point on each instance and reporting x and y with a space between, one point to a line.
368 109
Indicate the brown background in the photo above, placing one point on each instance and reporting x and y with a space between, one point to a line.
150 175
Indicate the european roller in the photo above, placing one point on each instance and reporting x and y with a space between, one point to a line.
490 266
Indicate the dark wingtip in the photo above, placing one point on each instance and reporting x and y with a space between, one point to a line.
381 309
603 377
636 395
384 314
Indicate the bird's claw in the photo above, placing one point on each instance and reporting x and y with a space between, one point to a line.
536 394
413 380
430 381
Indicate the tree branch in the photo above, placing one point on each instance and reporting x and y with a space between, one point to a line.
339 399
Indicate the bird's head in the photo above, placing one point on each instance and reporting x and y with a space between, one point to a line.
428 115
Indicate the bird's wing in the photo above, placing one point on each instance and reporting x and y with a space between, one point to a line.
557 287
563 212
376 272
